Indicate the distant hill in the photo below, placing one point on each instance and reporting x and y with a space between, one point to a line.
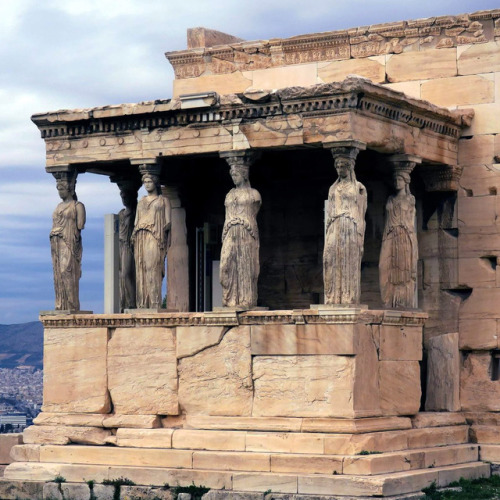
21 345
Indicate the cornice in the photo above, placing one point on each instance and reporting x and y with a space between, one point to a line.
353 94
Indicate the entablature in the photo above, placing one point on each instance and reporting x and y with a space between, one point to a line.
355 109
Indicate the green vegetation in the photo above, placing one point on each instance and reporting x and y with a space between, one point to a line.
366 452
59 479
196 492
118 483
467 489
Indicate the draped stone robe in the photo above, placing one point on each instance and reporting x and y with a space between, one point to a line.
239 265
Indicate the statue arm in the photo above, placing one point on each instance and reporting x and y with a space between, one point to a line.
80 216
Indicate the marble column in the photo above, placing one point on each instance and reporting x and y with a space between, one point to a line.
68 220
399 252
239 262
177 255
345 228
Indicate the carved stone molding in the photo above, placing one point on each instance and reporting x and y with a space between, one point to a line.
233 318
349 149
441 177
403 163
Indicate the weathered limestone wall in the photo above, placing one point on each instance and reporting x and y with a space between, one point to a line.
342 364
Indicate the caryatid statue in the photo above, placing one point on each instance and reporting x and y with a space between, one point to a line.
399 252
150 238
239 261
126 220
68 220
345 231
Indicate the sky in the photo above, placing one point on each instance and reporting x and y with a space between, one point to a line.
66 54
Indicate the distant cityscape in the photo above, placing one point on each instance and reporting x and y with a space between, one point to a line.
21 375
21 391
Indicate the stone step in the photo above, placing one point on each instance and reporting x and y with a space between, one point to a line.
282 424
489 453
319 443
251 461
379 485
485 434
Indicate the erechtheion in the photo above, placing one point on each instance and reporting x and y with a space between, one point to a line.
327 206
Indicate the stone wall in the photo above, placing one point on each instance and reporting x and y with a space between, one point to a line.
347 363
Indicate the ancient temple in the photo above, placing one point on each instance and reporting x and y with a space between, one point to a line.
363 358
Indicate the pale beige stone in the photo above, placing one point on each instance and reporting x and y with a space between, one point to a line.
32 471
22 490
279 483
477 391
474 242
222 84
75 491
486 119
193 339
352 444
433 63
301 75
466 471
144 438
450 455
25 453
485 434
303 386
354 426
478 272
366 384
437 419
174 421
244 423
222 374
443 373
339 70
481 58
80 472
132 421
483 418
399 387
208 440
75 372
7 443
400 343
437 436
477 211
480 334
306 464
339 485
49 434
409 481
145 382
232 461
459 91
157 476
70 419
411 89
376 464
489 453
303 339
285 442
476 150
480 180
108 455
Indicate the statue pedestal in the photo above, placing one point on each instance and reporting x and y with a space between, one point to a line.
246 401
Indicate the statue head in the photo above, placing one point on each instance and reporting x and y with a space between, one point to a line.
151 178
345 167
65 184
402 180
